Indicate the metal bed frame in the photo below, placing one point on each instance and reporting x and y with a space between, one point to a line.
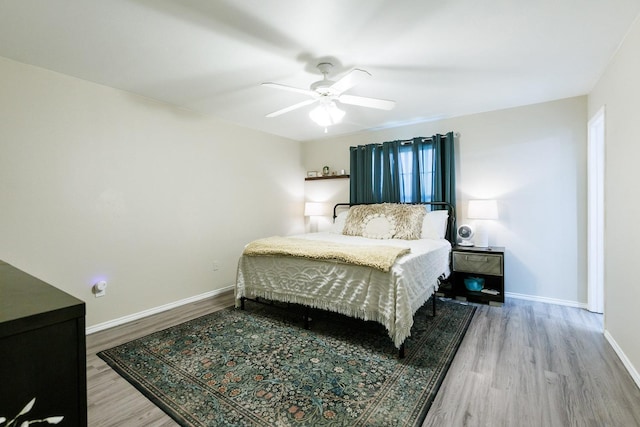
307 312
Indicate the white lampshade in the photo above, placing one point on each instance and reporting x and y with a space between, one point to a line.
482 209
314 209
327 113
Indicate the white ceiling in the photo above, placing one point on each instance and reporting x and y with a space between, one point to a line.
437 59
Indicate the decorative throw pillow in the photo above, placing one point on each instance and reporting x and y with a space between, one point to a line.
408 219
355 219
378 226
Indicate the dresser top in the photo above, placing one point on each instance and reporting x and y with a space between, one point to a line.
27 302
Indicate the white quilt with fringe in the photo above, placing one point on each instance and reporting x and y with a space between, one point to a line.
390 298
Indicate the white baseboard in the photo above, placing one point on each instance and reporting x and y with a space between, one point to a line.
555 301
623 357
155 310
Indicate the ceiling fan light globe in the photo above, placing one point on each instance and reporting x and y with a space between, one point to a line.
327 114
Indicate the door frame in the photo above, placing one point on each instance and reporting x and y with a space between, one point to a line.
595 211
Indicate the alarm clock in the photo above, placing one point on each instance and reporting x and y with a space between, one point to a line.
465 234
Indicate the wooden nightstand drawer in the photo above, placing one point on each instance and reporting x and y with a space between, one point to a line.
478 263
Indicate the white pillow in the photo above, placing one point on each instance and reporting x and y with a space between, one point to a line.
434 225
338 224
378 226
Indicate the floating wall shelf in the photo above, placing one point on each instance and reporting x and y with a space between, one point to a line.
313 178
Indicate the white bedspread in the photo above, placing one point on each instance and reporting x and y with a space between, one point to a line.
390 298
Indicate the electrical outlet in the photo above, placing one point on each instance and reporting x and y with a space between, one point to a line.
100 289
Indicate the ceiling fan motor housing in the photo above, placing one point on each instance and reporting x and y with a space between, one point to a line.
323 87
328 92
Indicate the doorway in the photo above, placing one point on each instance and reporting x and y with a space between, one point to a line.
595 212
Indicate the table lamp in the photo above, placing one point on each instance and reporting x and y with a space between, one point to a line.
313 210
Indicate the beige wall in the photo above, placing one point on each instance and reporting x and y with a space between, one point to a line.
531 159
97 183
618 90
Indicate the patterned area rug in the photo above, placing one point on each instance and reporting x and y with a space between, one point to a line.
260 367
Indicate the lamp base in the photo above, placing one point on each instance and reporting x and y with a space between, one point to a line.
481 239
313 224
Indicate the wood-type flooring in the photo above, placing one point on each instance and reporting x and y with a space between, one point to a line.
523 364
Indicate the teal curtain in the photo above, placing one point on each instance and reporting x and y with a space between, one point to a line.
365 181
413 171
444 178
391 184
444 182
375 173
419 158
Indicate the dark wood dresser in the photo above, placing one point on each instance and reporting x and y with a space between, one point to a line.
42 350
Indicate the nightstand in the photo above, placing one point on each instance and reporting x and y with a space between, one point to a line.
486 263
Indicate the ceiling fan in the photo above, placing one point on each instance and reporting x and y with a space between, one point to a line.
326 92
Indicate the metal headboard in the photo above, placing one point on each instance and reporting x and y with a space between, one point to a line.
451 223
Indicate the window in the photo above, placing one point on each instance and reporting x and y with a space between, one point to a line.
414 171
396 171
409 173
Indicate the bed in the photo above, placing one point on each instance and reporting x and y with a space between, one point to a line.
374 264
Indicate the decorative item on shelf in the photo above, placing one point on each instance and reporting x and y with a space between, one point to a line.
343 172
312 174
465 233
325 171
482 210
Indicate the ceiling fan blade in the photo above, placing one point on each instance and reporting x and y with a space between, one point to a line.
349 80
291 108
290 89
362 101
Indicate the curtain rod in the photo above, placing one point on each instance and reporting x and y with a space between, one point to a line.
428 138
410 141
